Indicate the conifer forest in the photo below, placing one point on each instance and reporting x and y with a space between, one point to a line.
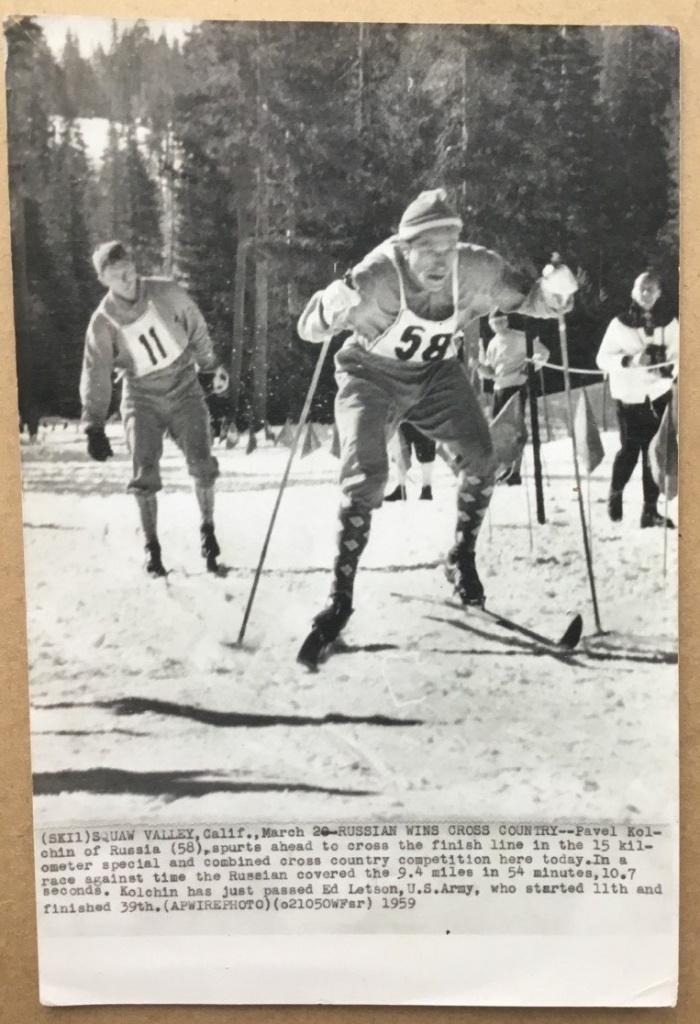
256 161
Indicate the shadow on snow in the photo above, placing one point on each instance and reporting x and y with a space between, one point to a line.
228 719
167 785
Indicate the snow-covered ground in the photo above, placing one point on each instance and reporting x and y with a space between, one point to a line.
145 709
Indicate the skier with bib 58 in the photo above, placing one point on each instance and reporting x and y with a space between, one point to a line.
151 332
404 304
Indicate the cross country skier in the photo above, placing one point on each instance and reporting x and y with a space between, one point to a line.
635 342
404 303
153 334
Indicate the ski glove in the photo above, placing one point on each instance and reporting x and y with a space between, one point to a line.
98 444
215 382
219 382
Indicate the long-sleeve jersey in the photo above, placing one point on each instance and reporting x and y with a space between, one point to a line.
634 384
154 343
505 359
485 282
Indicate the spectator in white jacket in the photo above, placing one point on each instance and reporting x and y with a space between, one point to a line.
640 354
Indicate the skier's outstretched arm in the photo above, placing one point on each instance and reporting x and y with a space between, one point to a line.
499 286
96 386
96 375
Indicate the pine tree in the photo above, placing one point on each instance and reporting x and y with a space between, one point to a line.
639 80
129 200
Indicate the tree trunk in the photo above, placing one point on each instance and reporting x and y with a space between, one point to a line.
239 283
262 218
20 290
361 80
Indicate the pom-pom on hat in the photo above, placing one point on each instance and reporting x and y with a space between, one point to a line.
430 210
109 252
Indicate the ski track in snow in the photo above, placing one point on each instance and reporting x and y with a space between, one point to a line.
144 709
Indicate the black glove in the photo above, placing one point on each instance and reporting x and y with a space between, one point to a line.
99 447
658 354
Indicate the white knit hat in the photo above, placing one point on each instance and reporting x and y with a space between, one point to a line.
430 210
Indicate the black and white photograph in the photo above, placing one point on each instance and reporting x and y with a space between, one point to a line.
347 360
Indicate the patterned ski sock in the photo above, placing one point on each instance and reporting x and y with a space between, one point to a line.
473 500
148 513
353 534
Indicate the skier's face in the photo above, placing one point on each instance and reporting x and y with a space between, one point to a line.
122 279
431 257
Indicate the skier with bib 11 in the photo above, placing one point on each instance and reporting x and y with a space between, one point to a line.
152 333
404 304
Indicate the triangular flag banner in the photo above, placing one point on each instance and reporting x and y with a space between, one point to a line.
335 443
252 442
588 442
286 434
508 431
663 456
311 442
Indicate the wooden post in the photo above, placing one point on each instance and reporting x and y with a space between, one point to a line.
534 424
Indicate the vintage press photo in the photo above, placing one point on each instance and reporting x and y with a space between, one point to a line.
347 372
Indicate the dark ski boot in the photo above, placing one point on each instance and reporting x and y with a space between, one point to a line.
652 517
154 565
327 627
460 569
210 547
615 506
398 494
426 493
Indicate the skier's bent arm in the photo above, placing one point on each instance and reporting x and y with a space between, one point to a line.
96 375
197 331
328 312
501 287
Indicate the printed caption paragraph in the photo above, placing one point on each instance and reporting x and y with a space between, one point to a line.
356 877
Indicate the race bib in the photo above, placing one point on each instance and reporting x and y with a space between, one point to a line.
151 345
416 343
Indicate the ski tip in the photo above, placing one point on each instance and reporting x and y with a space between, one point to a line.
572 634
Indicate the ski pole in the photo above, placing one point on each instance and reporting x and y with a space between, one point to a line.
669 427
579 493
292 452
527 497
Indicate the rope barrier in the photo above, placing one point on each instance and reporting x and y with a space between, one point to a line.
599 373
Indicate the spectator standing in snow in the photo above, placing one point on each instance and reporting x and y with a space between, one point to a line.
640 353
406 440
505 363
